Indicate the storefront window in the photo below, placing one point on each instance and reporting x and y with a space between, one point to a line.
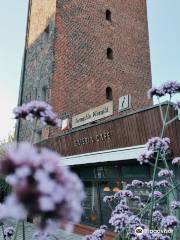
100 181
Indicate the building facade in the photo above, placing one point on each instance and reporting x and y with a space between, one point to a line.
91 61
80 55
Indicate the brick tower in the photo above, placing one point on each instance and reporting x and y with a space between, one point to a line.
81 54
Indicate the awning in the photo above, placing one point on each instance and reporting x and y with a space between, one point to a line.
118 154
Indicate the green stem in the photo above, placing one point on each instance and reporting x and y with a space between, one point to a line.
172 182
161 112
23 229
152 197
16 231
156 165
158 200
3 231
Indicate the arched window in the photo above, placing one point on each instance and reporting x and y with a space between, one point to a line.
108 15
109 93
109 53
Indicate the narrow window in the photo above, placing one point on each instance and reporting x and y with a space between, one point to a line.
108 15
109 53
36 92
109 93
44 93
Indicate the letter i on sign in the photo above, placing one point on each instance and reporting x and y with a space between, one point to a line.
124 102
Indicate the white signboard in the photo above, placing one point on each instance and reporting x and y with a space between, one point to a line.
93 114
124 102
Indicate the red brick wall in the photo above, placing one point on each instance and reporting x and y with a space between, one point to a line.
81 68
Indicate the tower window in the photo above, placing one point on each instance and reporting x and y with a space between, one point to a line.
108 15
109 93
44 93
109 53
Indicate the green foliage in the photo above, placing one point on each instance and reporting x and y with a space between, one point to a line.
5 189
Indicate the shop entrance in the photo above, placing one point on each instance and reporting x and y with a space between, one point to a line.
101 181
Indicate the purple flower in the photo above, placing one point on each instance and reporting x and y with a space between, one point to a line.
175 205
119 221
169 222
9 232
137 184
150 184
156 194
134 221
123 193
97 234
120 208
107 199
159 236
143 236
17 212
55 192
165 173
145 157
171 87
103 227
37 109
157 216
155 92
163 184
176 160
157 143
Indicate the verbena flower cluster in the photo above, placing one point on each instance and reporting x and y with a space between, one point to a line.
9 232
40 186
170 87
176 161
125 220
97 234
165 173
154 145
37 109
175 204
146 204
157 143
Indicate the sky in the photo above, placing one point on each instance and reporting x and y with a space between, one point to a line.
164 36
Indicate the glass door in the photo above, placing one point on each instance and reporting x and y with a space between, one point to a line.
91 215
107 188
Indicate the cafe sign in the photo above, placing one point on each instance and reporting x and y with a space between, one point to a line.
93 114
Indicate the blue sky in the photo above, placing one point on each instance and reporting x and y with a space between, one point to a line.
164 31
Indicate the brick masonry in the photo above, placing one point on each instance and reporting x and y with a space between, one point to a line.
82 71
70 59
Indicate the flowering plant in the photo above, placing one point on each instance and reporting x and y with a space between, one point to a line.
41 186
40 114
138 223
37 109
